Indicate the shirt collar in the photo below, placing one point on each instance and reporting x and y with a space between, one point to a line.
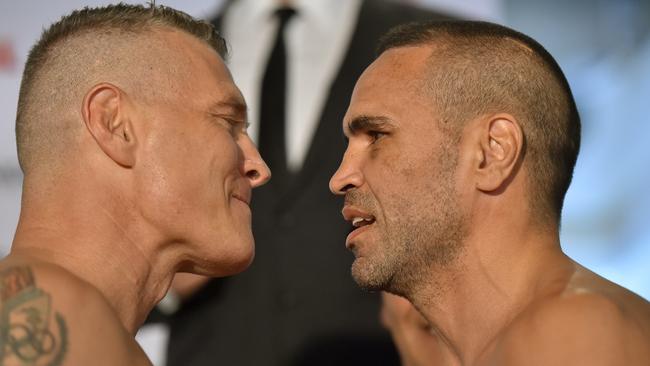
321 12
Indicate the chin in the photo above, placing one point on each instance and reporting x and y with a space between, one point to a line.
228 257
239 258
224 268
369 277
241 263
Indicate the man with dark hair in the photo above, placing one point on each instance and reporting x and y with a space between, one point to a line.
132 140
462 141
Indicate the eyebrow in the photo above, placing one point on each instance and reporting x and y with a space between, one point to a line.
365 123
234 107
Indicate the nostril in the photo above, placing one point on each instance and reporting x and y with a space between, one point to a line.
347 188
253 174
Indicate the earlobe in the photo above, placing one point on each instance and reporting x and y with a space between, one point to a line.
501 144
107 120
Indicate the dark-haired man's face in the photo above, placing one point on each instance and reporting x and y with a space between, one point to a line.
398 177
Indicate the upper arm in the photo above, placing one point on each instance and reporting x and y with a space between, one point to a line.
586 329
50 317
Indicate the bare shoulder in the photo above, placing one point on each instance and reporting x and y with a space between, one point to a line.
50 317
593 322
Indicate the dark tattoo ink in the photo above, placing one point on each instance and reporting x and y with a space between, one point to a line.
26 336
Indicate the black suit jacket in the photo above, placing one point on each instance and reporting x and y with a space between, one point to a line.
297 304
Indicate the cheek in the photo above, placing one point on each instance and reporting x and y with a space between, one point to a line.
174 172
220 167
391 173
230 156
401 183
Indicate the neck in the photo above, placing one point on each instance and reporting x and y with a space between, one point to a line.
86 236
494 280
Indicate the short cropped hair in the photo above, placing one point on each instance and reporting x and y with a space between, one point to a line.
51 67
478 68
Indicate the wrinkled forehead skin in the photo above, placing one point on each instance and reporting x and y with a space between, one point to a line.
393 86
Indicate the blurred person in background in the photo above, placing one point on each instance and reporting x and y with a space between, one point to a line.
132 139
463 137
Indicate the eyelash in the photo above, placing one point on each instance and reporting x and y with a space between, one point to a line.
376 135
233 126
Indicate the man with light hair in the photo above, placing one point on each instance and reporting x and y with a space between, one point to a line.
462 141
132 139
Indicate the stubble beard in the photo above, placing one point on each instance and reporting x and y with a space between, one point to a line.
423 236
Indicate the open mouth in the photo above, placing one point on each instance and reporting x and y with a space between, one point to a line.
360 219
359 225
358 222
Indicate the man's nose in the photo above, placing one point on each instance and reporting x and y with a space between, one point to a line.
255 169
348 176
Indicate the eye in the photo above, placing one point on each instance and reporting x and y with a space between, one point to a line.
375 135
234 126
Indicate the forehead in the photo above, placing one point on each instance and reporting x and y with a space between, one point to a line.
195 70
393 86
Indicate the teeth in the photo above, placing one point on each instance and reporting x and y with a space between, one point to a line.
357 221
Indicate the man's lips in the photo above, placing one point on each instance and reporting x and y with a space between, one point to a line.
244 197
350 213
349 241
360 219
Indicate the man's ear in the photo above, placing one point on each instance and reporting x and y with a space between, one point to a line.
501 143
106 118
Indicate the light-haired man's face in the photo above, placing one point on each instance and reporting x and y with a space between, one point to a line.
199 163
397 175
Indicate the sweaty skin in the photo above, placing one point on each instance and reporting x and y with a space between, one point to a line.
446 225
567 327
52 317
156 187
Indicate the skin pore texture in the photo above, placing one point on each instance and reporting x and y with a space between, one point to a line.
402 218
148 172
414 235
447 225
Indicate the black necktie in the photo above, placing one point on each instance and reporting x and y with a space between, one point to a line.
272 143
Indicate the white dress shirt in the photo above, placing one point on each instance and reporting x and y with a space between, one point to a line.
317 39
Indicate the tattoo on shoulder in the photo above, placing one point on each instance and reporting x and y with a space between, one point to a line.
29 334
